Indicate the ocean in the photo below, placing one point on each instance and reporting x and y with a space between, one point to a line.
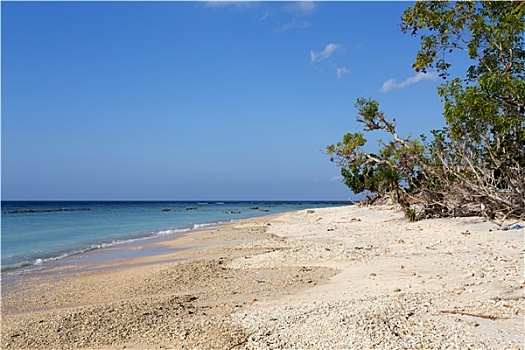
36 232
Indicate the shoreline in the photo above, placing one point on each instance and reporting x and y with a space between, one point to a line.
109 253
340 277
172 228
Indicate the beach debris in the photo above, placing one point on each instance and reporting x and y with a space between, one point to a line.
488 317
310 211
184 334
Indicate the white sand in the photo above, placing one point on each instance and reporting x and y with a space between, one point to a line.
270 283
472 271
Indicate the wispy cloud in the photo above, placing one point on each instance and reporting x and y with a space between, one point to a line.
240 5
391 84
323 55
300 7
297 11
336 178
292 25
342 71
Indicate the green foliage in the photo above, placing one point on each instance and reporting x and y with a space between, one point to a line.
488 105
350 145
372 178
392 170
479 157
483 145
411 215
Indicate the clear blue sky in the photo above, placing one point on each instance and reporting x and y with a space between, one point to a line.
197 100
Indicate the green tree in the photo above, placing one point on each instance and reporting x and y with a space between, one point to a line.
392 170
483 146
476 164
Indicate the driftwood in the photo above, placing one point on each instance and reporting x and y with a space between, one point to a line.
487 185
488 317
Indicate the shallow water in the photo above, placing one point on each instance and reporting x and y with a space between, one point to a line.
36 233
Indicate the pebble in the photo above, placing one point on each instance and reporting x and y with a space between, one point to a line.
390 322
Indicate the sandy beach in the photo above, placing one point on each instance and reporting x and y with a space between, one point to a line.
331 278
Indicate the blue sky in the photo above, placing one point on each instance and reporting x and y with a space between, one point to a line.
197 100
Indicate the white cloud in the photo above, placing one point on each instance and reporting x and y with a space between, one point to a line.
323 55
300 7
265 16
293 24
388 85
391 84
341 71
240 5
336 178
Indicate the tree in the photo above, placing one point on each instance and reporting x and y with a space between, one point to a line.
390 172
476 164
483 146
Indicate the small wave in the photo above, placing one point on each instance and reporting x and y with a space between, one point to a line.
25 266
172 231
208 224
183 230
103 245
198 226
41 261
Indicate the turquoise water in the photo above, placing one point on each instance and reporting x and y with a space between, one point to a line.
36 232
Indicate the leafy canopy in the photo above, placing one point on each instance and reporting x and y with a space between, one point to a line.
479 157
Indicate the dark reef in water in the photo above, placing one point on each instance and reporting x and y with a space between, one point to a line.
29 211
